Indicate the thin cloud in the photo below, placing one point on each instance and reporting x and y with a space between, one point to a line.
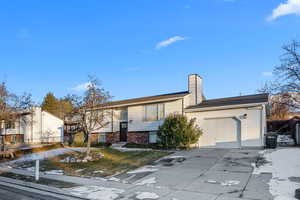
169 41
267 73
23 33
133 69
81 87
288 8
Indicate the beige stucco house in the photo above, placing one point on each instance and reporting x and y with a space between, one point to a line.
227 122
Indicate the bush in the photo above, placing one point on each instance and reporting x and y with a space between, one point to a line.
101 144
178 132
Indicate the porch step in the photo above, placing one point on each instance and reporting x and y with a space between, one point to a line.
118 145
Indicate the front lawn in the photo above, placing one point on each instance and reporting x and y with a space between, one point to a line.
113 162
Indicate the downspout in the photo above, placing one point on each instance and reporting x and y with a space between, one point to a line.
261 127
31 127
112 120
41 134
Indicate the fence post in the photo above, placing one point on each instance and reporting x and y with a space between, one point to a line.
37 170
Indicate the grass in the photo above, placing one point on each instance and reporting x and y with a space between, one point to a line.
113 162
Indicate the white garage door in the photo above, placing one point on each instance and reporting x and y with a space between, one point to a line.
222 133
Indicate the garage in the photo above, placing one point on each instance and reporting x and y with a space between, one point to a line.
224 132
231 122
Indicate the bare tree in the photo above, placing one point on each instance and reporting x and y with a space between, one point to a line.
11 106
286 84
87 113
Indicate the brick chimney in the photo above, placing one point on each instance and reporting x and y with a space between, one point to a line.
195 89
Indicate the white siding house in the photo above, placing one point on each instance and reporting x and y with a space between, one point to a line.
227 122
34 126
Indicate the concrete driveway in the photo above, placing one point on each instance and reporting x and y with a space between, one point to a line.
198 174
206 174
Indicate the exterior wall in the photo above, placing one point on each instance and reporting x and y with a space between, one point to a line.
52 128
252 127
41 127
136 121
18 138
136 116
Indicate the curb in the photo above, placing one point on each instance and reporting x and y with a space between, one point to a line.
29 186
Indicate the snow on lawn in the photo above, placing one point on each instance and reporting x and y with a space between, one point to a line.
44 155
147 182
283 164
147 168
55 172
146 195
97 192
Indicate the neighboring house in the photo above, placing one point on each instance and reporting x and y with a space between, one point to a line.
227 122
34 126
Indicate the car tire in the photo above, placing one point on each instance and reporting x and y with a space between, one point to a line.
297 193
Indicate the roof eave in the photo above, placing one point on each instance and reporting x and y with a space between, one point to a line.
228 107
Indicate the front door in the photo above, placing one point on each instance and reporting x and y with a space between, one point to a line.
123 131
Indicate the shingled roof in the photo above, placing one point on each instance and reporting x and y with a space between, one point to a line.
248 99
141 100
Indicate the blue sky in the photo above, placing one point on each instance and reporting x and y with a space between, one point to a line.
143 47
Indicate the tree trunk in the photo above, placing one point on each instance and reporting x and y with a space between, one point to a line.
88 146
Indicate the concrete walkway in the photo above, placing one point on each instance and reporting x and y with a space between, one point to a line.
206 174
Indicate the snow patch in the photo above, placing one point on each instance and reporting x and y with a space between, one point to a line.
43 155
114 179
97 192
230 183
80 170
283 164
54 172
124 149
98 172
144 169
146 195
147 182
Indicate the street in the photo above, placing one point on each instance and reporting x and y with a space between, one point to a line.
8 192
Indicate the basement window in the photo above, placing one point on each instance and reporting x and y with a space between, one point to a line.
101 138
152 137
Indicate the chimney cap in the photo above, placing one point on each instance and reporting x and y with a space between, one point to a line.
195 75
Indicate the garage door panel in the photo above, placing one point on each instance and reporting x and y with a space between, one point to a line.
221 133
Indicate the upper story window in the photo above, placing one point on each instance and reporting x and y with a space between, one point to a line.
10 125
123 114
154 112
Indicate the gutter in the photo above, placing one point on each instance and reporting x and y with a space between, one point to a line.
229 107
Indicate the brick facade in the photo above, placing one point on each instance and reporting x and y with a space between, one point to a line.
113 137
140 137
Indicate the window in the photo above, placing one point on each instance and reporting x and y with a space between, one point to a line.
124 114
13 139
102 138
10 125
154 112
153 137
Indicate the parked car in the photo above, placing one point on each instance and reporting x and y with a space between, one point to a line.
285 140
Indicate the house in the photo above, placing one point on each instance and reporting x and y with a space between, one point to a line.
33 126
226 122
